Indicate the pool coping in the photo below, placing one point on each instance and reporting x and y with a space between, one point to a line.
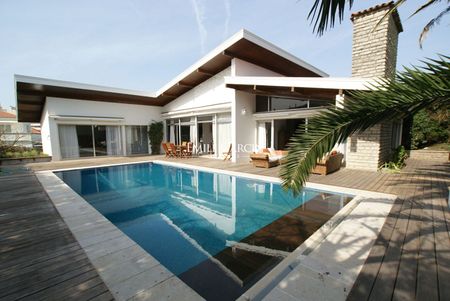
116 247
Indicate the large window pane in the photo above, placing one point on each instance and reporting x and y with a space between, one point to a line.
113 141
100 140
85 141
137 140
278 103
68 141
205 137
185 133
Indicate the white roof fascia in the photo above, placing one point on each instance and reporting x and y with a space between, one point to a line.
75 85
344 83
210 109
229 42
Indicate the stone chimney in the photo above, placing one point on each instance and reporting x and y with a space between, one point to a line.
374 54
374 51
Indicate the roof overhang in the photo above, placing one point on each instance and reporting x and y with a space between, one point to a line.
31 92
245 46
303 87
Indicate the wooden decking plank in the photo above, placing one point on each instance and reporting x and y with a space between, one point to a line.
442 241
38 254
385 282
405 285
367 276
15 274
42 257
61 288
62 280
106 296
43 275
427 282
87 290
52 237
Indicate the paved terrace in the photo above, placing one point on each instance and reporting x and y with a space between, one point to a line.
411 257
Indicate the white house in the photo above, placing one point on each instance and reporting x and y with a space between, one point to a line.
17 133
247 92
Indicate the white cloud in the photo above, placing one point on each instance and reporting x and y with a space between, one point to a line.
199 12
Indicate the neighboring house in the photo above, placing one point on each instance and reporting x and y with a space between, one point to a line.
17 133
247 92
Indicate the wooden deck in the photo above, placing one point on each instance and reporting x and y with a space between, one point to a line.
411 257
39 257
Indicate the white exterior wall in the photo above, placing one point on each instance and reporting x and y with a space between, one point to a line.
210 92
243 126
131 114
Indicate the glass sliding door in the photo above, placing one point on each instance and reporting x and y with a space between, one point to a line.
265 134
205 134
137 139
100 140
113 141
186 130
223 133
68 141
77 141
181 130
85 140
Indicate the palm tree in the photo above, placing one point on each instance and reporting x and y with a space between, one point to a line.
323 14
412 90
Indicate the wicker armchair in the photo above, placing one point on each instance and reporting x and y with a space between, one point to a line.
328 165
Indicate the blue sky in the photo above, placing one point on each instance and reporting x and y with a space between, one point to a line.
141 44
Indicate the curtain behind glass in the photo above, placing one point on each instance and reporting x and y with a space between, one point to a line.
68 141
224 138
113 142
137 140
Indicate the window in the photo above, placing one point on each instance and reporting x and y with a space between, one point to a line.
5 128
180 130
396 136
89 141
275 103
280 104
137 139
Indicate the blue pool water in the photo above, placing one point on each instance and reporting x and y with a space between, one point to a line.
184 217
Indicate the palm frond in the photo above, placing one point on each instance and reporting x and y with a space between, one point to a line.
431 24
422 7
414 89
323 13
390 12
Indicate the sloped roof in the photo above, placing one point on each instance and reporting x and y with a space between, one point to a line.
7 115
32 91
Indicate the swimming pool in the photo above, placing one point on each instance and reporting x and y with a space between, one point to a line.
217 232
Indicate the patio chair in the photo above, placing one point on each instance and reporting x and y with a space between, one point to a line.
175 151
167 150
228 153
187 152
329 164
264 160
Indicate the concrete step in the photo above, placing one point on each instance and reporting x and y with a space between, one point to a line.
423 154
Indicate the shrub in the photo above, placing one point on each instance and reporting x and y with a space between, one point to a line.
398 160
21 152
155 134
430 128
